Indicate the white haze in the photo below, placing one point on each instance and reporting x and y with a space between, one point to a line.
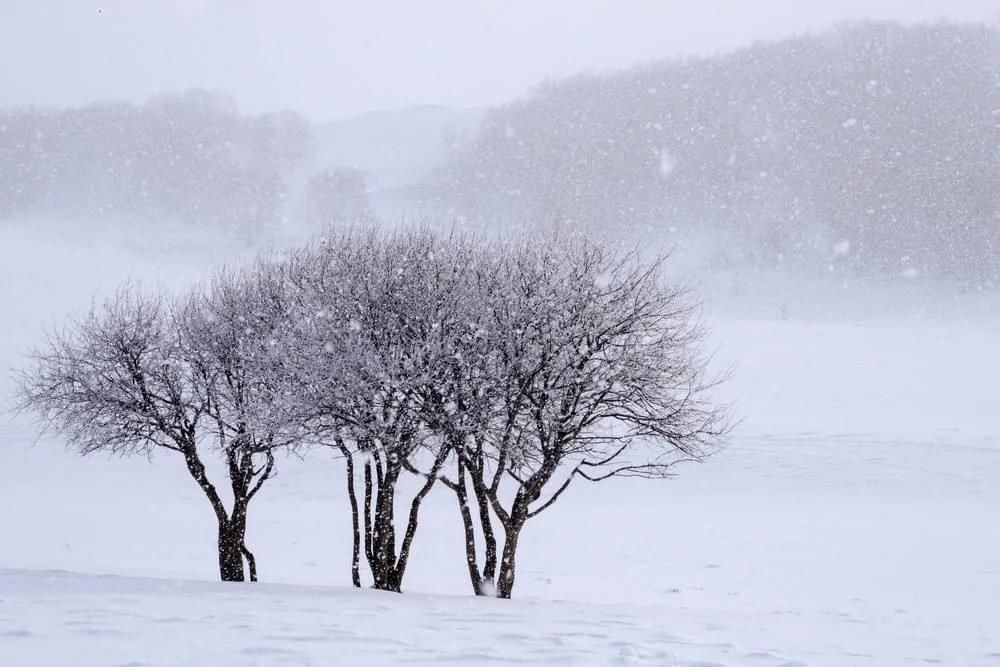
340 58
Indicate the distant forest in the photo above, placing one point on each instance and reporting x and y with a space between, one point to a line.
191 157
873 147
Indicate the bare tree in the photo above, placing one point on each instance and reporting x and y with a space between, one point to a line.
137 375
234 336
503 370
592 371
380 313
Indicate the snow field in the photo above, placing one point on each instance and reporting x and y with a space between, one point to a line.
852 521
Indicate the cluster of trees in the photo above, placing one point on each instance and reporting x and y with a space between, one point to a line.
874 145
499 371
191 157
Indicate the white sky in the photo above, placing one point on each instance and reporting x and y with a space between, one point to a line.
331 58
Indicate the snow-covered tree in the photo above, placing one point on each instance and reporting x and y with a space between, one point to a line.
585 367
380 316
505 370
141 374
233 337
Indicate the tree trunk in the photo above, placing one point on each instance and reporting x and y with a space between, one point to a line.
232 530
512 533
232 525
471 557
482 581
369 485
355 520
251 563
520 512
489 537
231 547
382 560
385 579
355 525
505 580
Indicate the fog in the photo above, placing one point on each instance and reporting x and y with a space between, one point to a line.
729 264
841 144
799 161
337 59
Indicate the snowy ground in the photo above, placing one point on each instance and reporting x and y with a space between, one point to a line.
852 521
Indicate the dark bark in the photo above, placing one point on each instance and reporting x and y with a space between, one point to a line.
251 563
197 470
482 580
383 552
231 551
232 548
529 492
355 521
471 555
230 542
511 521
489 537
369 556
387 567
505 578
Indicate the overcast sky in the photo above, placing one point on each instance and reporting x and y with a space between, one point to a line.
331 58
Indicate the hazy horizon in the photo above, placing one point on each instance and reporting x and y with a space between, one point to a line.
336 60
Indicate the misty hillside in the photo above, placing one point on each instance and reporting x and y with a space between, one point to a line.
194 158
873 147
191 157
